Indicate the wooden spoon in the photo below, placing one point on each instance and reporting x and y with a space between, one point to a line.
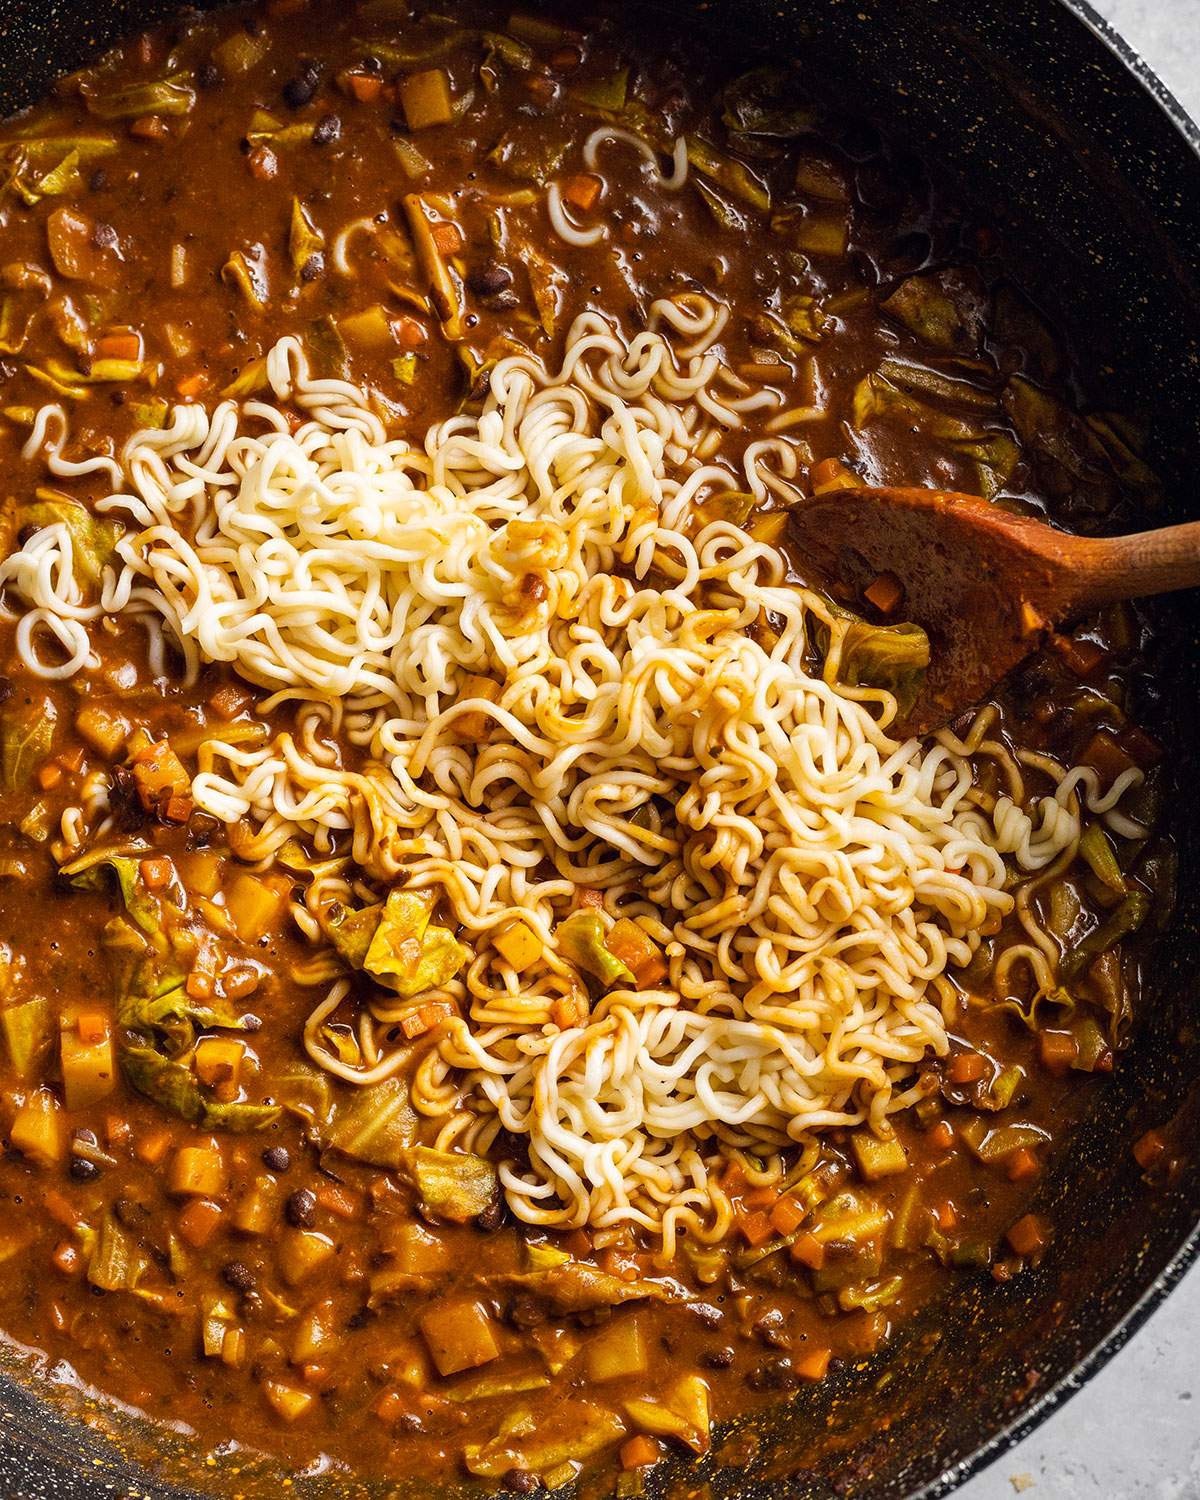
986 585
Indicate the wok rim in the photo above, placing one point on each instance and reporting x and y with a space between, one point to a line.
1187 1255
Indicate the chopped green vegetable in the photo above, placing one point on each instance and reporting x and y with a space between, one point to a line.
328 349
117 1262
1123 920
408 954
575 1287
681 1412
26 735
940 307
350 930
377 1125
1096 848
893 657
305 240
247 274
578 1431
28 1030
766 102
454 1185
608 94
166 96
174 1087
580 939
527 153
734 176
90 872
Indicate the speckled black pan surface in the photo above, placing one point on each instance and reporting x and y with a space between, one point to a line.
1034 109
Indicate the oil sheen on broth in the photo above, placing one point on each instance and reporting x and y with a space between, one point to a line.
483 990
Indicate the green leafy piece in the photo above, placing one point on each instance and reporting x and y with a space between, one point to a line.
174 1087
431 39
490 1387
681 1412
872 1295
92 537
1122 921
164 96
576 1287
150 414
247 274
240 51
117 1262
408 954
14 326
177 1016
42 151
1096 849
26 735
893 657
994 1144
307 1093
579 1430
940 307
64 178
250 380
304 238
1092 1048
1079 459
91 872
454 1185
580 940
765 102
328 349
607 94
505 50
28 1030
377 1125
404 367
528 153
734 176
723 212
350 931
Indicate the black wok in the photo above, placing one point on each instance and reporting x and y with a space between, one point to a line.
1033 109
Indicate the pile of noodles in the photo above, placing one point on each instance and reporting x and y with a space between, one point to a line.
662 733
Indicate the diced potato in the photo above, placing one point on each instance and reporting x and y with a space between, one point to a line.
517 944
103 729
219 1060
302 1252
39 1130
459 1336
197 1172
201 871
256 1212
878 1158
425 98
475 724
163 785
408 1365
417 1252
89 1070
618 1350
316 1332
254 903
288 1400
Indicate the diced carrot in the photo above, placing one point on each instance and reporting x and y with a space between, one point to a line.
1106 756
1081 656
733 1176
568 1011
966 1067
191 386
60 1209
200 984
366 87
117 1130
72 760
424 1019
410 333
229 700
566 57
582 191
1020 1164
152 1146
1149 1148
120 344
198 1221
788 1214
760 1197
1144 748
49 775
447 237
541 88
1058 1050
945 1215
579 1244
156 872
940 1136
390 1406
639 1452
813 1364
66 1258
1027 1236
588 899
885 593
755 1227
263 163
831 474
807 1250
149 128
339 1200
92 1026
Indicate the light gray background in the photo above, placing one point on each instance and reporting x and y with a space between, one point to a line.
1133 1433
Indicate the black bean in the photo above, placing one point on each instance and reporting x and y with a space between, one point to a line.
98 180
772 1330
487 280
775 1375
372 64
208 75
277 1158
298 91
238 1275
83 1170
104 236
329 128
720 1359
300 1209
525 1311
493 1215
520 1481
313 267
502 301
706 1313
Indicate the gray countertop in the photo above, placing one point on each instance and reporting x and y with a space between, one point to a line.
1133 1432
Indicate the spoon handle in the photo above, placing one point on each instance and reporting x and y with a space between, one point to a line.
1108 569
